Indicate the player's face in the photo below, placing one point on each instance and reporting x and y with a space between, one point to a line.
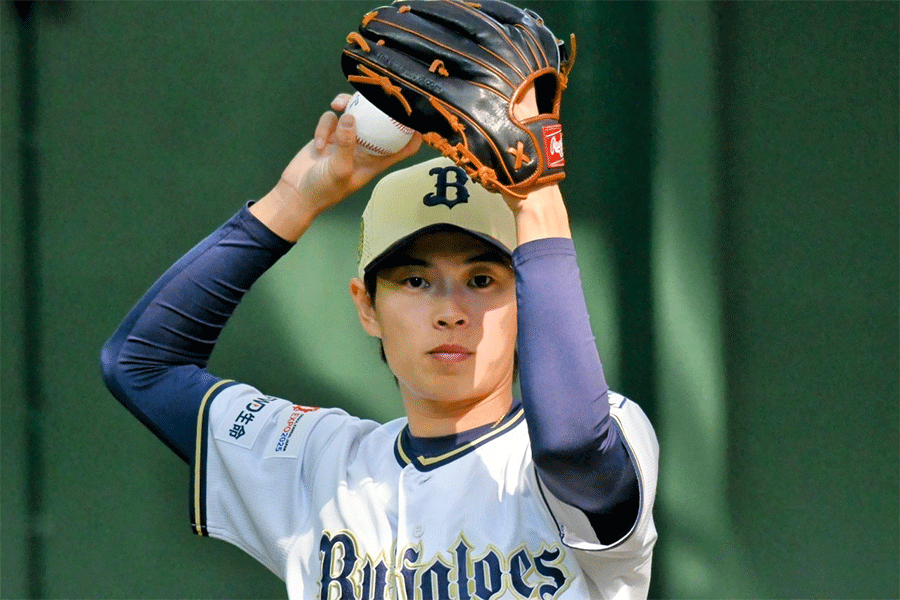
446 315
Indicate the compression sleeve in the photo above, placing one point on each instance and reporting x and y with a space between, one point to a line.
155 361
578 449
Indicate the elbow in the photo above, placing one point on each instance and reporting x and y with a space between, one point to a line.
550 457
113 371
574 445
109 364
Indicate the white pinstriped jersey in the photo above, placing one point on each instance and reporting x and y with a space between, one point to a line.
338 507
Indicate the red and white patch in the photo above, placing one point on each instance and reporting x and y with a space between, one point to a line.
285 426
553 145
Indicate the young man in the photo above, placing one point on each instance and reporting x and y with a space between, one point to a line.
475 494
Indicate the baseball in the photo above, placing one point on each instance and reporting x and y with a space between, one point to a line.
376 133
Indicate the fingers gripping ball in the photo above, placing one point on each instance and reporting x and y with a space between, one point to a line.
376 133
458 72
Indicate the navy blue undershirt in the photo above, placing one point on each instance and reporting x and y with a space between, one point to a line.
429 447
155 363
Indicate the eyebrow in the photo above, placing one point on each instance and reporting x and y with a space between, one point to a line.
491 256
407 260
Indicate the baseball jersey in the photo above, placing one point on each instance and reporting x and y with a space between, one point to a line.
341 507
346 508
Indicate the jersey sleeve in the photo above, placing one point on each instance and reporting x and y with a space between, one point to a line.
579 450
155 361
251 474
575 525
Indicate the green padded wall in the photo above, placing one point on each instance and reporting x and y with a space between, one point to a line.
732 182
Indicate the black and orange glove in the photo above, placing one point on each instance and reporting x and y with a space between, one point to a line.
455 71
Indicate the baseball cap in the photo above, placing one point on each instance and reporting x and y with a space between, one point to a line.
435 195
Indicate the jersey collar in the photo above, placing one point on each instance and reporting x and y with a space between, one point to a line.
426 454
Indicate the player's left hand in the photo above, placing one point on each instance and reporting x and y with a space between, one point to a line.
541 212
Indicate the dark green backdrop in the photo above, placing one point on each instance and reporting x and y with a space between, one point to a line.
733 187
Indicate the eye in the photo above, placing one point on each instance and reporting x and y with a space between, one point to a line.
481 281
415 282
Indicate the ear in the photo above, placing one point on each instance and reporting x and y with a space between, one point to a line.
364 308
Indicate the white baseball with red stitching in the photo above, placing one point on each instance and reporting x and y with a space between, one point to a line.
376 133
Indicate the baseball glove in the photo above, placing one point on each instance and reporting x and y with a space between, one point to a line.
454 71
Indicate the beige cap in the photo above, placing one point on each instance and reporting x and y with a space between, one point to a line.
430 196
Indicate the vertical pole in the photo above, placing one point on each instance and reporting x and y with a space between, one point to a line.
31 293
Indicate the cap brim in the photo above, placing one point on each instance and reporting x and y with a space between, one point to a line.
382 258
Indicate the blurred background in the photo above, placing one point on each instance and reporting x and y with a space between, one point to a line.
733 188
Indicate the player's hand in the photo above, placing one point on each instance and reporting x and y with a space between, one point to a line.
542 212
330 167
327 169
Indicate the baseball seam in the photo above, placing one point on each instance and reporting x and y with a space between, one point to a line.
371 146
403 128
378 149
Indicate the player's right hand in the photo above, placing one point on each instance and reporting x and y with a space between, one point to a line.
331 167
327 169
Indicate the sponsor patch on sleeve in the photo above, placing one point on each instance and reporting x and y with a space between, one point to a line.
244 421
283 444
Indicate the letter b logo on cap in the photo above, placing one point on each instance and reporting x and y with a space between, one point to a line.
439 196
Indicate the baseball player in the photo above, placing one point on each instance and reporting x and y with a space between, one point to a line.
475 493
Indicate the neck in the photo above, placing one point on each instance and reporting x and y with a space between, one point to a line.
433 417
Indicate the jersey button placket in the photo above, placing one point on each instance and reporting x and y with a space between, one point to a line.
406 497
415 481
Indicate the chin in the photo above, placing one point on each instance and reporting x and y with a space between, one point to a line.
447 393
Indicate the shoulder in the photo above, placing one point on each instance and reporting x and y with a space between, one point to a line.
629 413
240 414
635 427
642 444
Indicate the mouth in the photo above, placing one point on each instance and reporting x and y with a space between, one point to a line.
450 353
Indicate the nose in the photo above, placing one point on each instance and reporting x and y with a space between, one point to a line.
450 311
446 321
